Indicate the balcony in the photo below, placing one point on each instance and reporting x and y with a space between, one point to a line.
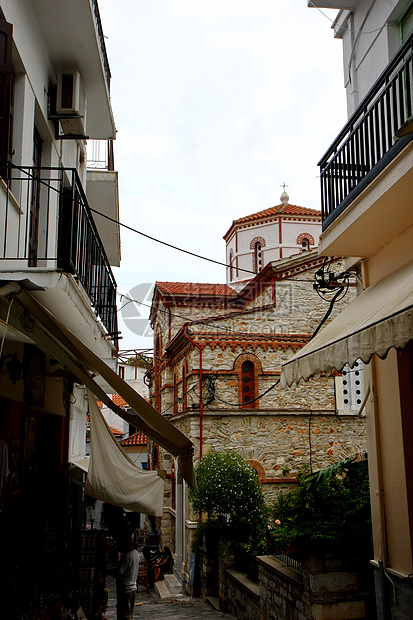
375 135
47 225
73 34
103 195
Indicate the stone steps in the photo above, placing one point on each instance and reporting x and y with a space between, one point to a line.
170 587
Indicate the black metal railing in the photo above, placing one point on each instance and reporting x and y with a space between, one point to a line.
100 155
46 223
102 42
367 143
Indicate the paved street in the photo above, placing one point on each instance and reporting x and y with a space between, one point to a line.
148 607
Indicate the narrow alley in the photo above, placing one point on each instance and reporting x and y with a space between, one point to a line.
150 607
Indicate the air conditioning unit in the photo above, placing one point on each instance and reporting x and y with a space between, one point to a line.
71 103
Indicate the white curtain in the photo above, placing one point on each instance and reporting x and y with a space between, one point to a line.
113 477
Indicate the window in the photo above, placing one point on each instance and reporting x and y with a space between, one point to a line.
184 385
121 372
406 25
157 356
6 93
175 395
248 368
258 257
231 268
247 382
305 240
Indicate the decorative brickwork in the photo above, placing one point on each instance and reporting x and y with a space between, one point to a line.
263 325
305 240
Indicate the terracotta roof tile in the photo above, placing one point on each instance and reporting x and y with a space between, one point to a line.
119 401
137 439
283 209
115 431
195 288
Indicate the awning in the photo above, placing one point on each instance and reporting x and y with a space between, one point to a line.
81 461
49 333
113 477
380 318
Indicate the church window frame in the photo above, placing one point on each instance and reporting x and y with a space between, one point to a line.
248 368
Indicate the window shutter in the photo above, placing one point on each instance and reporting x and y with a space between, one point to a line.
406 24
6 32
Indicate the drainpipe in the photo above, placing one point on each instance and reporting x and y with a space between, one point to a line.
201 405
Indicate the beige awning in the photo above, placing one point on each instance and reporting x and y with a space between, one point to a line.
113 477
81 461
50 334
380 318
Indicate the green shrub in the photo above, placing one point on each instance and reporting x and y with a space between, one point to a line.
227 487
331 508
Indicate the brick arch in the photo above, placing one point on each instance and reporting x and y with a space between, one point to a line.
248 357
253 246
307 236
258 468
257 240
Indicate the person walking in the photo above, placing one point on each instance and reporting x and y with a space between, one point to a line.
126 576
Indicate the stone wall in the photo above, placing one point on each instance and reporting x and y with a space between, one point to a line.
243 596
330 587
282 594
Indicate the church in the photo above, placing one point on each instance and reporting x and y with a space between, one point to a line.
218 351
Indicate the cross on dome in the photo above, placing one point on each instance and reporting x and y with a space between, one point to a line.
284 196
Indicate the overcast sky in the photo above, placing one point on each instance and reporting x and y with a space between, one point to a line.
217 103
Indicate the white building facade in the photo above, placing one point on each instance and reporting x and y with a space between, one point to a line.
269 235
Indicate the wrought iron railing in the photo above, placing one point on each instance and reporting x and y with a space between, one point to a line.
367 143
46 223
100 155
102 42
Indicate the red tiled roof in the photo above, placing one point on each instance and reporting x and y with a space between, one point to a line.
283 209
137 439
195 288
115 431
117 399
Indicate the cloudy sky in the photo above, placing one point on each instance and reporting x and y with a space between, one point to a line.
217 104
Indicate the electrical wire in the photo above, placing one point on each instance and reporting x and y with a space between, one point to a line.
332 21
138 232
252 400
196 321
186 393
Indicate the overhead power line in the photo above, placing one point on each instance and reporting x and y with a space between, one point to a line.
138 232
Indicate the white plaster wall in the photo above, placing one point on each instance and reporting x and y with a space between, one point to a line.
366 54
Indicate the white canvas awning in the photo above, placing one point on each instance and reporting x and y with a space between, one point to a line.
81 461
47 332
380 318
113 477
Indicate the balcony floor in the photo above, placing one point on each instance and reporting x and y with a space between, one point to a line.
381 213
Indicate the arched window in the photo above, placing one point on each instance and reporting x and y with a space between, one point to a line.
257 246
231 268
247 382
258 256
184 385
157 358
305 240
248 367
175 395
